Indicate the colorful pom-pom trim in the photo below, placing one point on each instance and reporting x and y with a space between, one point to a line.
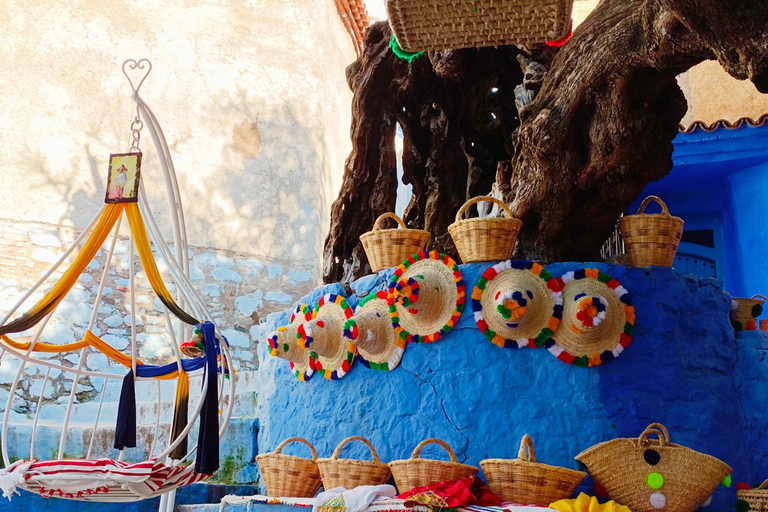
460 297
626 335
351 332
553 285
306 313
305 339
400 53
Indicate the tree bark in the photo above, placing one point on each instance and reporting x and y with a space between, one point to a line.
599 128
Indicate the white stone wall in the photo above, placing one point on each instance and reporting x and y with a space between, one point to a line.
254 103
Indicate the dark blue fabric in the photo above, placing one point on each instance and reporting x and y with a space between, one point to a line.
189 365
207 460
125 428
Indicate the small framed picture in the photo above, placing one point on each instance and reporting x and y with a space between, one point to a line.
123 178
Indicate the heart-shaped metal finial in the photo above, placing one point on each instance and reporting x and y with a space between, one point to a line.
141 65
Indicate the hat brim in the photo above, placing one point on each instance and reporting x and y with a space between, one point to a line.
412 328
546 303
394 347
338 364
302 369
593 348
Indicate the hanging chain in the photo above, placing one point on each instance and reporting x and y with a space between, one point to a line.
136 127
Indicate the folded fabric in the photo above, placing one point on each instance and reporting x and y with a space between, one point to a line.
12 476
354 500
458 493
584 503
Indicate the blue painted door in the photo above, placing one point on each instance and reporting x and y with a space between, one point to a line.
701 249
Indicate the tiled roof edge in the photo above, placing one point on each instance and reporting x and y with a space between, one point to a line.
723 123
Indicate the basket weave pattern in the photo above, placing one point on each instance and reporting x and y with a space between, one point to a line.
525 481
757 497
387 248
745 312
287 475
485 239
621 466
651 239
447 24
418 472
349 473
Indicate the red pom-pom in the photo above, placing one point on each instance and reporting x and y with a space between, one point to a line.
751 325
743 486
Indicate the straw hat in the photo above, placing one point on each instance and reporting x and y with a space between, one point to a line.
598 319
282 344
371 331
426 297
517 304
323 337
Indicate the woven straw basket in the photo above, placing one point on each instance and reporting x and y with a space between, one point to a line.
421 25
623 466
418 472
651 239
289 476
349 473
757 498
485 239
528 482
387 248
744 317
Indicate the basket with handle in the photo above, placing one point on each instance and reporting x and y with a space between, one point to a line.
640 472
756 498
744 312
485 239
525 481
422 25
387 248
651 239
350 473
287 475
418 472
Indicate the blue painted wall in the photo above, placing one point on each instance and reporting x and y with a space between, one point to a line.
683 369
722 177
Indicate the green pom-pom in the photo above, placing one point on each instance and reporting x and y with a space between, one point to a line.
655 481
757 310
402 54
727 481
742 506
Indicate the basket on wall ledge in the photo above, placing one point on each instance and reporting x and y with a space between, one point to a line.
287 475
525 481
485 239
647 475
422 25
418 472
387 248
651 239
756 498
744 312
350 473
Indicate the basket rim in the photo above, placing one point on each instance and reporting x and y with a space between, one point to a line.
488 220
356 462
633 441
529 464
398 231
421 462
273 455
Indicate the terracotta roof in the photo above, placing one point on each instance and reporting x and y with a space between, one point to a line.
354 16
722 123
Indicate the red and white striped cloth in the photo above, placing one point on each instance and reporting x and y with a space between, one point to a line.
77 478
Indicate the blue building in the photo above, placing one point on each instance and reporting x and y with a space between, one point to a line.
719 187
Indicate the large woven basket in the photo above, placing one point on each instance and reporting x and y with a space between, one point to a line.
626 468
744 317
387 248
756 498
349 473
289 476
485 239
418 472
525 481
421 25
651 239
